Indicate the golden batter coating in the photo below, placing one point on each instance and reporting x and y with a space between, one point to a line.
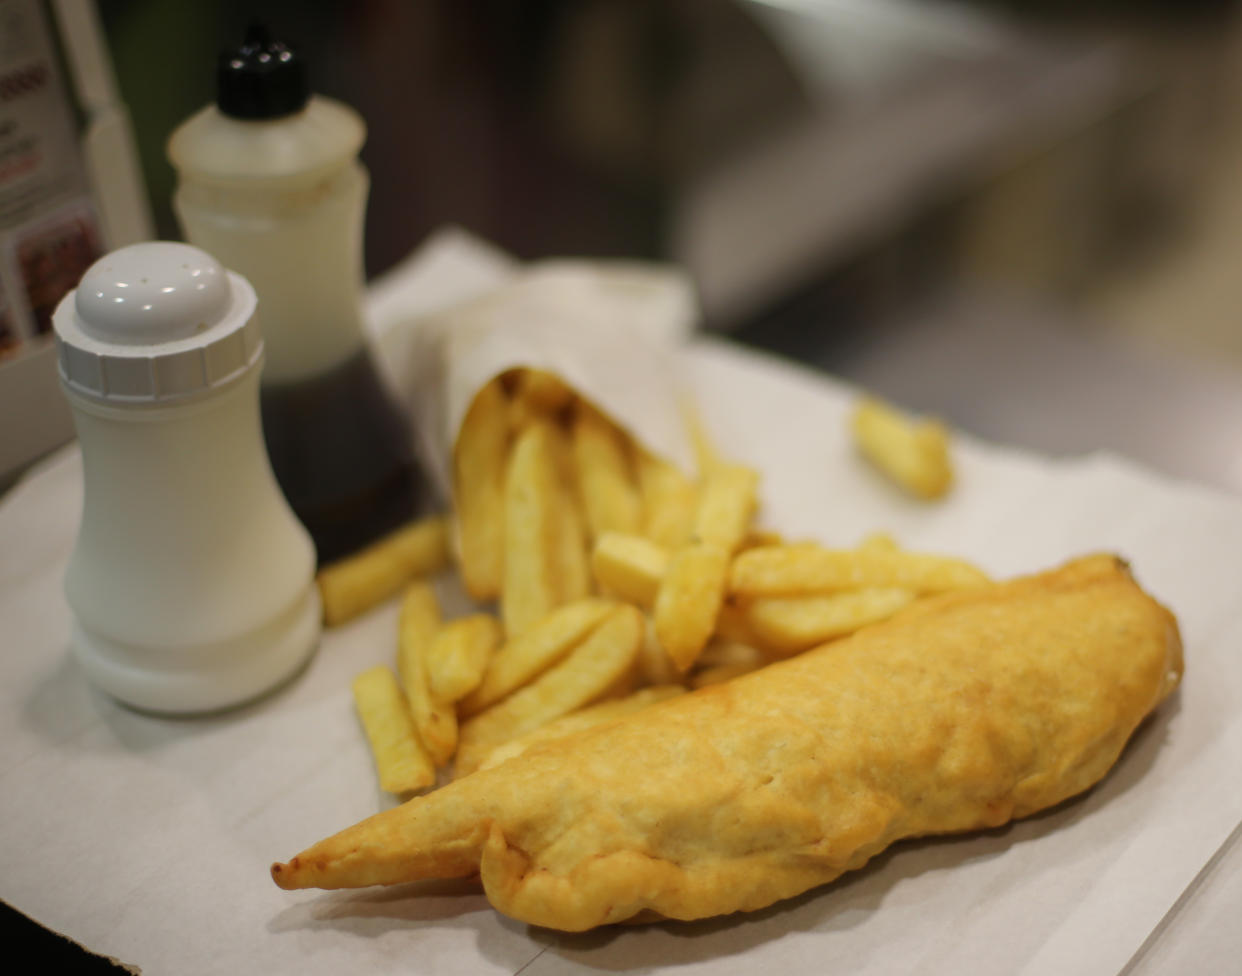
963 711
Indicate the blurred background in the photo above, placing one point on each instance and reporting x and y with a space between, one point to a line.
1022 216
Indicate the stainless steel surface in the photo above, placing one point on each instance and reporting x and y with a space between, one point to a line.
856 169
1032 376
1200 934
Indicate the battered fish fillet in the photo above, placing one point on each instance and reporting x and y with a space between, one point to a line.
962 712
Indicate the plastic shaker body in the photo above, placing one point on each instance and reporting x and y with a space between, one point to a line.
191 581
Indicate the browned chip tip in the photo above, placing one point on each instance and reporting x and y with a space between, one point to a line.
281 872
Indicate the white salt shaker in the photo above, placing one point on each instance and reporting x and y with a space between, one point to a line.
191 583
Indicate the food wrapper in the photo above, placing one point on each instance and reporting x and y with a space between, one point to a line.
609 329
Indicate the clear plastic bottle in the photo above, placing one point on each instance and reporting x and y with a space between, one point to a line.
270 183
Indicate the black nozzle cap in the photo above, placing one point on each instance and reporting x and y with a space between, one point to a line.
262 79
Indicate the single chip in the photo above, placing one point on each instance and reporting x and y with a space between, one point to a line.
726 506
629 566
527 656
459 654
573 566
689 601
881 541
361 581
913 453
478 488
435 721
585 718
723 660
571 554
605 480
720 650
755 538
706 453
732 625
536 394
669 500
531 588
402 763
626 684
795 623
584 676
543 391
808 569
655 667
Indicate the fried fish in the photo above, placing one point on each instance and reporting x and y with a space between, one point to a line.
962 712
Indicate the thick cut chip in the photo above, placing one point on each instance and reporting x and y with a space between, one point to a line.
585 718
726 506
573 566
594 666
629 566
732 625
809 569
531 588
402 763
543 390
789 624
361 581
913 453
755 538
478 486
459 654
669 500
435 721
706 453
530 654
571 556
536 395
605 480
879 541
689 601
720 650
723 660
655 667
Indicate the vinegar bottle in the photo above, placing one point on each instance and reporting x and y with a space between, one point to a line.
270 183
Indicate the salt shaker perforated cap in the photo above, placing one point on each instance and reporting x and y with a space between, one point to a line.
154 323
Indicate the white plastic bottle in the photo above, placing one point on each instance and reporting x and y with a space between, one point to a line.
270 183
191 582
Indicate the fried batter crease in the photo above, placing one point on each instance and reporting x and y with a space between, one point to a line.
962 712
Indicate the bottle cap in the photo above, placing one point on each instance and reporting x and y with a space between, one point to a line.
262 79
153 323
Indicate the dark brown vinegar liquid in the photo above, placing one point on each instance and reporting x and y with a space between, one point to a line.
343 455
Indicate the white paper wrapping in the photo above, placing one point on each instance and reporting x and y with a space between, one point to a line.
149 839
606 328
